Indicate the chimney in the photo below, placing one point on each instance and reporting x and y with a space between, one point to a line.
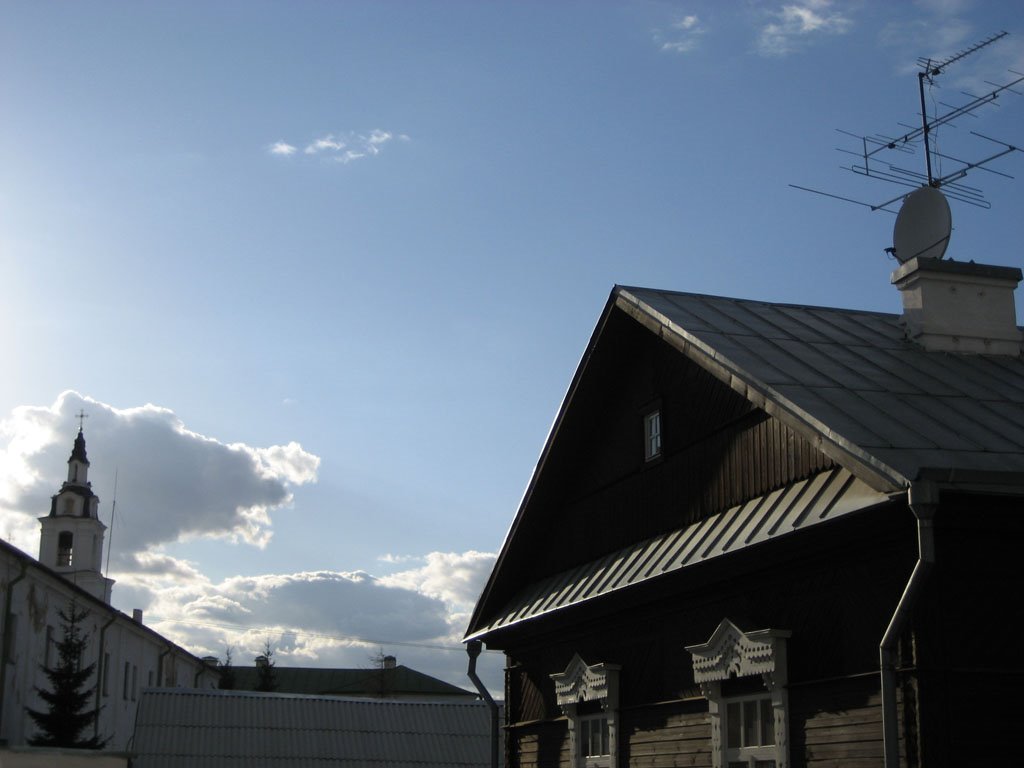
953 306
262 661
137 615
390 662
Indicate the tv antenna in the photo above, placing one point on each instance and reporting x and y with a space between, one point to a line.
929 217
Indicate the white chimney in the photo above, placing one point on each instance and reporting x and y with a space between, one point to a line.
953 306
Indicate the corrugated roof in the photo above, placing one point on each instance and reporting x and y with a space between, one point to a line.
179 728
809 502
852 377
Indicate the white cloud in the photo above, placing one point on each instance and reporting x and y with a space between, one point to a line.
233 491
795 24
683 37
282 148
350 146
326 618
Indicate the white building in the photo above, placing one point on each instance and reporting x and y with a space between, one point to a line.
128 655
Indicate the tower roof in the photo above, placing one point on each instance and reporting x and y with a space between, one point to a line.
78 452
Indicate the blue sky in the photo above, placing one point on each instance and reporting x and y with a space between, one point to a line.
320 272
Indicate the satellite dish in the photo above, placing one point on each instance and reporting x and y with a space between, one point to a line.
923 226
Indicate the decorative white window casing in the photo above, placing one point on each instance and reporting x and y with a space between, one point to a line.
731 652
593 737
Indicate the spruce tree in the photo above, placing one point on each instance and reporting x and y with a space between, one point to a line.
266 680
69 695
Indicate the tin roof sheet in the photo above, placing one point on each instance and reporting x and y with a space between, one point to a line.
178 727
819 499
854 377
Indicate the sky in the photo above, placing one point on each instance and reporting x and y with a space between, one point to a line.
319 273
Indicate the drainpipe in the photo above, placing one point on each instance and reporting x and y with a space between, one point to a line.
160 667
5 652
473 648
103 672
923 499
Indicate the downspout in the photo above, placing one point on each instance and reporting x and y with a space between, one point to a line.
104 675
922 499
5 652
473 648
160 667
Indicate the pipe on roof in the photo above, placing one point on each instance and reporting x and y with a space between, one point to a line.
473 648
922 498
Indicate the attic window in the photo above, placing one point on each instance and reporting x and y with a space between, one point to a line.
652 435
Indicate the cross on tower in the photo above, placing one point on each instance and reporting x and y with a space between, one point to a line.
81 416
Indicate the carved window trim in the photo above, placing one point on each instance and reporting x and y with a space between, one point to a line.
581 683
731 652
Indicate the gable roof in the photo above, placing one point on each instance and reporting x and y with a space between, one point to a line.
871 397
880 406
395 682
178 727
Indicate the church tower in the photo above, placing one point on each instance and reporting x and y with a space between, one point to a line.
71 542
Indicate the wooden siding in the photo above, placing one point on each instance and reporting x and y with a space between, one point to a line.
538 745
595 491
666 736
836 724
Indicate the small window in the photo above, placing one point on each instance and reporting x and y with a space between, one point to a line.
48 653
750 733
127 681
135 682
652 435
69 506
65 548
106 674
594 743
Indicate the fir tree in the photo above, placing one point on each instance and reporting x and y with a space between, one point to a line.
227 671
265 678
69 694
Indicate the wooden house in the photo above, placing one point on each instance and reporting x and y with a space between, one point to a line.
767 535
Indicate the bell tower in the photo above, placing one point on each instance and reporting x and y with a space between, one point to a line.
71 540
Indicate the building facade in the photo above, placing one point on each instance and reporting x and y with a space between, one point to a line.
128 655
768 535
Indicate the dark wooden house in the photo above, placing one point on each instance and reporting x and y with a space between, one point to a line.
767 535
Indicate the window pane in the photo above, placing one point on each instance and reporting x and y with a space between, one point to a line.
605 749
750 723
764 764
732 721
767 723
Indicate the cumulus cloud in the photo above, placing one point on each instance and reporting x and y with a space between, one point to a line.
343 147
683 36
233 489
326 618
416 609
795 24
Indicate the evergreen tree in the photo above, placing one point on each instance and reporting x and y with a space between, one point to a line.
227 671
69 694
265 678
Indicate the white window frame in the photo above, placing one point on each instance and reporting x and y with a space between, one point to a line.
748 754
580 684
652 434
731 652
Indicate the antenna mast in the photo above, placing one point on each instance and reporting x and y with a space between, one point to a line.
872 146
110 538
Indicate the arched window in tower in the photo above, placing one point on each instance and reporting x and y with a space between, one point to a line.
65 545
69 506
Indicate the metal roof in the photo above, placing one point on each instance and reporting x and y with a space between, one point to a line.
394 682
852 377
186 728
809 502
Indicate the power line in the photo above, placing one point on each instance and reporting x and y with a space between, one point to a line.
306 633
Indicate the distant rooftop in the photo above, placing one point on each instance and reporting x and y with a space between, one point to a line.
397 682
